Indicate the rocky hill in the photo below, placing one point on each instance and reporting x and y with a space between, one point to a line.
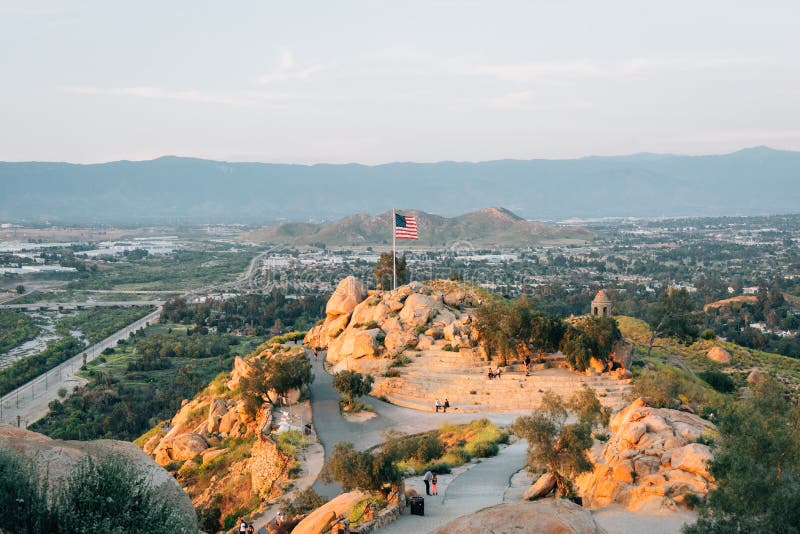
494 226
221 453
420 344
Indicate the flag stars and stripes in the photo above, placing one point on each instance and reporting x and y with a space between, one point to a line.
405 226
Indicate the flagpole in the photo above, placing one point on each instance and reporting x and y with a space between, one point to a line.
394 250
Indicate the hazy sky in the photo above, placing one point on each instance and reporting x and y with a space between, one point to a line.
378 81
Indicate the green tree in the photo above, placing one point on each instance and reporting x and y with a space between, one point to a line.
757 466
673 315
383 270
363 470
555 446
20 289
591 337
280 374
352 385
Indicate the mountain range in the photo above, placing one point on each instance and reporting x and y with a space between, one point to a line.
753 181
489 226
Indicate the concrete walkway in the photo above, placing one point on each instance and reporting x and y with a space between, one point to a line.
481 485
332 428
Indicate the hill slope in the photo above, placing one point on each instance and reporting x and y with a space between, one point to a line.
171 189
495 226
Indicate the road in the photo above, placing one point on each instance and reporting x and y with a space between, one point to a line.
30 401
77 305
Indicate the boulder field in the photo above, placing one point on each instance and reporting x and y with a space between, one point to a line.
653 460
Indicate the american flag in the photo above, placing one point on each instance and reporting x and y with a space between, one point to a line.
405 226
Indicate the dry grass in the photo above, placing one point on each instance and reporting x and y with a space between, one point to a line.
694 355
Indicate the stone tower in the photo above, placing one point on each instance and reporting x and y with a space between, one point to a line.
601 305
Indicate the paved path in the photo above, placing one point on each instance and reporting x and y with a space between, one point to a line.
30 401
332 428
482 485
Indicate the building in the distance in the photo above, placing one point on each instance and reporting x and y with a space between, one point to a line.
601 305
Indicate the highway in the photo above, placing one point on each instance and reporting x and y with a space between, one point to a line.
30 401
79 305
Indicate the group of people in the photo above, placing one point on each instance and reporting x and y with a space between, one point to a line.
492 373
245 527
431 483
440 406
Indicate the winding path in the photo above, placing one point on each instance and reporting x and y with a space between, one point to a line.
332 428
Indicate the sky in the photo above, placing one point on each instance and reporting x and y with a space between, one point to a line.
379 81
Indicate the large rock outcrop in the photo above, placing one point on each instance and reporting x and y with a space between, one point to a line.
56 460
236 470
651 462
382 324
320 519
549 516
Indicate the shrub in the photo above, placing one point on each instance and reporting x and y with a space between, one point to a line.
401 361
440 468
708 333
303 503
428 447
290 441
391 373
669 386
362 470
482 449
112 495
352 384
718 380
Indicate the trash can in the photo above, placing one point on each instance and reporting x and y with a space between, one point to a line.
417 505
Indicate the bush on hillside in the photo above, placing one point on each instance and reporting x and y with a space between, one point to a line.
108 495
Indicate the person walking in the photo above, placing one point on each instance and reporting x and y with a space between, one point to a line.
437 405
242 526
316 354
446 404
427 480
435 484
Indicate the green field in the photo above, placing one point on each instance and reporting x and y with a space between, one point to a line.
15 329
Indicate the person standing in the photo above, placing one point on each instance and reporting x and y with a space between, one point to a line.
435 484
446 404
437 405
427 480
242 526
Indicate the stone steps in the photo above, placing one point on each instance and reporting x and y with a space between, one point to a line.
462 380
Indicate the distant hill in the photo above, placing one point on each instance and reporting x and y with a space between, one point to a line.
490 226
754 181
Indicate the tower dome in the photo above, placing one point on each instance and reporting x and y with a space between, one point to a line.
601 305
